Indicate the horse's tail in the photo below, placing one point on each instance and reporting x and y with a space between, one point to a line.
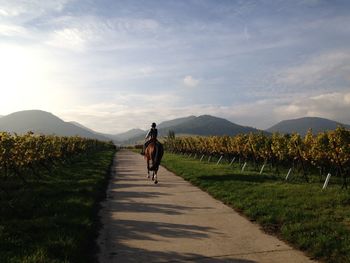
158 154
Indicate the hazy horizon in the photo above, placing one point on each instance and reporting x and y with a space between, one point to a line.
117 65
144 129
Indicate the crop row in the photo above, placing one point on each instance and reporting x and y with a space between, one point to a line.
326 151
20 154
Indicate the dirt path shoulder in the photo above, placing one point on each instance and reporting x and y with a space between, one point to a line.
176 222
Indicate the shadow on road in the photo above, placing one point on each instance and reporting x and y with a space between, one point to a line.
127 255
130 193
154 231
142 230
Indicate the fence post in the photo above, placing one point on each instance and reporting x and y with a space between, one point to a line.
289 171
201 158
244 165
262 168
326 181
233 159
219 160
209 158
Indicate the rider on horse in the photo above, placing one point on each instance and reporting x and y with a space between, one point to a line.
151 136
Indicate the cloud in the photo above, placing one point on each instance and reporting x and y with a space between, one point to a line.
69 38
317 70
12 30
111 60
147 71
189 81
97 33
265 113
246 33
134 25
27 10
123 111
309 2
335 106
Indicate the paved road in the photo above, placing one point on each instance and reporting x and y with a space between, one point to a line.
176 222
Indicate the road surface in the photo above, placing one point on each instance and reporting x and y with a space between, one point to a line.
174 221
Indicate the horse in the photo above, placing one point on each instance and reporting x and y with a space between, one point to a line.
154 152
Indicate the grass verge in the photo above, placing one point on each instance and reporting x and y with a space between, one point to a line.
54 218
310 219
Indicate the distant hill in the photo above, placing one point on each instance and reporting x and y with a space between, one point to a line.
208 125
128 134
105 135
302 125
82 126
175 122
204 125
43 122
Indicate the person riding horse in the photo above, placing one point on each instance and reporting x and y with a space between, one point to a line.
151 136
153 151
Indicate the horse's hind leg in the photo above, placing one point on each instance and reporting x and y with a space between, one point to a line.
155 177
148 176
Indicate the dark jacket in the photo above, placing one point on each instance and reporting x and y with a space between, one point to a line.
152 134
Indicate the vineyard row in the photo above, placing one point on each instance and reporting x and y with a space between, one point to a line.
326 150
20 154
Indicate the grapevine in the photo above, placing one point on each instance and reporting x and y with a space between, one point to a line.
21 155
325 151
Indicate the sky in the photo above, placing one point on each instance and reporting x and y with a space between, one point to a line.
114 65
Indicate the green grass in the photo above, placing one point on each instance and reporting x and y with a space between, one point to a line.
311 219
54 219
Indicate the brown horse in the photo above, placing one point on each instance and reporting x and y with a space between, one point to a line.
154 153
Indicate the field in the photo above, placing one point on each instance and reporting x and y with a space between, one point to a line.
314 220
50 188
51 217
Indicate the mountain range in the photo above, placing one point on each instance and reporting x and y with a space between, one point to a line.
302 125
203 125
43 122
46 123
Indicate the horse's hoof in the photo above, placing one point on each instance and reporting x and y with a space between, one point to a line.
155 182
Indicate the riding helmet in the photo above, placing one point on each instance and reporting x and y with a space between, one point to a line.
153 125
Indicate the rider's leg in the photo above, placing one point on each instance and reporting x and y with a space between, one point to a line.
144 147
